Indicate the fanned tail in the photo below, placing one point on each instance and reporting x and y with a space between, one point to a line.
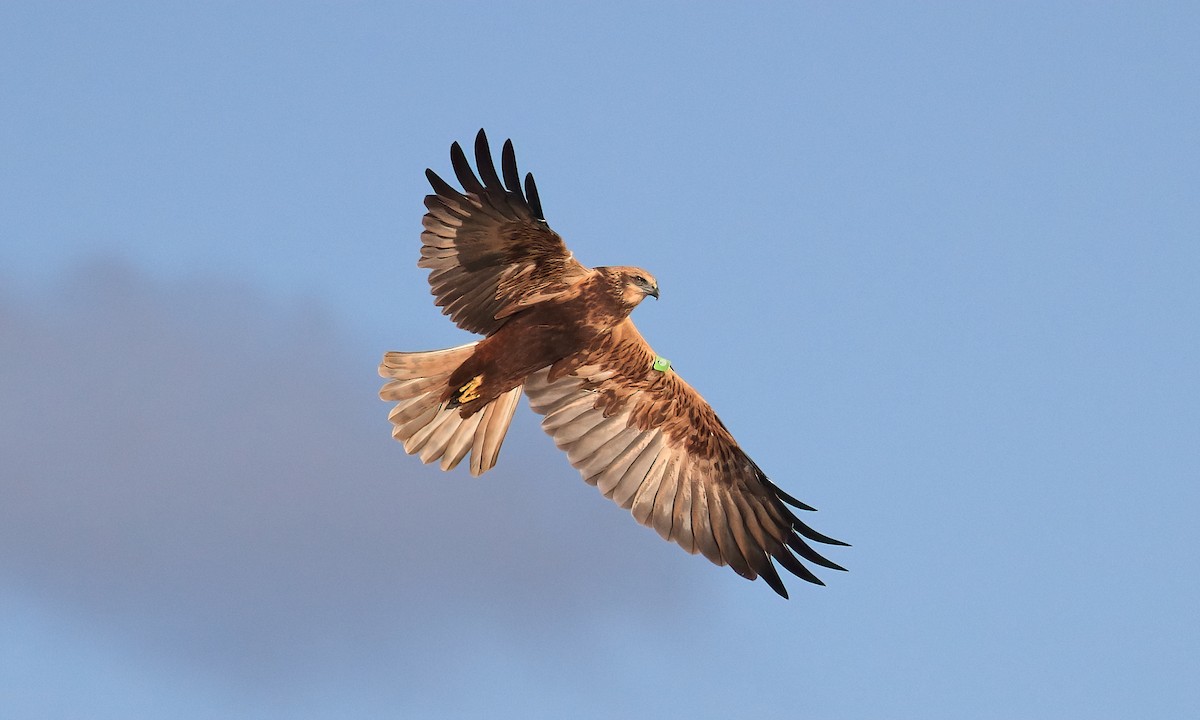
428 425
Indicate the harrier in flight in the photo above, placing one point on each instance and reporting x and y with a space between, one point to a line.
561 332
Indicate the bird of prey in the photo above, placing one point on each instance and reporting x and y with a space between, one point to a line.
561 332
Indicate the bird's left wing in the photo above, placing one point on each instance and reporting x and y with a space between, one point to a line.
651 443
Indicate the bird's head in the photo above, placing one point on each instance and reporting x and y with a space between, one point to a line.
632 284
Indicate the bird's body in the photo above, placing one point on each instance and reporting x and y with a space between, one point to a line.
561 332
558 327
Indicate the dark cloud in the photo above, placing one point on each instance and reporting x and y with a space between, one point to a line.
209 475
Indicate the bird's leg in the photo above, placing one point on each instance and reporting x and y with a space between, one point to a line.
467 393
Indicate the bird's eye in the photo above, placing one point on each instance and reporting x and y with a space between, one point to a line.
639 279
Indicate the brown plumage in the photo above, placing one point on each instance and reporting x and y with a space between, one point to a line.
561 332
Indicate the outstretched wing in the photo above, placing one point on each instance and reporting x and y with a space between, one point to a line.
489 248
652 444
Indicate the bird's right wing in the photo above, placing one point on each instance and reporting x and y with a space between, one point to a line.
489 248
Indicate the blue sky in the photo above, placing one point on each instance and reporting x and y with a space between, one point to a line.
934 266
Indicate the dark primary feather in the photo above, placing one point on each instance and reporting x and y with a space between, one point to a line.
535 202
508 160
443 189
487 170
462 170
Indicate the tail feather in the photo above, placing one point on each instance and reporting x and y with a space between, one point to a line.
460 442
496 418
427 425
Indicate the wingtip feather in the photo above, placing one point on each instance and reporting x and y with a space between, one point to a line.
531 196
462 170
508 165
771 576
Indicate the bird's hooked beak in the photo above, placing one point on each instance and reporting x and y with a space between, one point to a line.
647 285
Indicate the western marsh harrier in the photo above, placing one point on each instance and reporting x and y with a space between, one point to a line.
561 332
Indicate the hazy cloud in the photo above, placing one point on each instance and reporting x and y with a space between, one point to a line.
209 476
